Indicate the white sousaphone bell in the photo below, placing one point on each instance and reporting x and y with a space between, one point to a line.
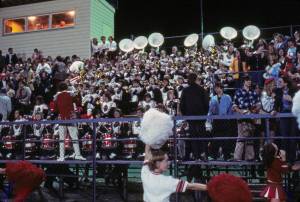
208 42
228 33
251 32
140 42
191 40
126 45
156 39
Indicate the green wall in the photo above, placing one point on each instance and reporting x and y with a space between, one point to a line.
102 19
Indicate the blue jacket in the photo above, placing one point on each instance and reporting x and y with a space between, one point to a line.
220 108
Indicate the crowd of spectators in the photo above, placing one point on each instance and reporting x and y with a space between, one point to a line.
261 79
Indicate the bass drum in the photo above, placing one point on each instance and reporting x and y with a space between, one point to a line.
8 142
129 147
68 142
108 141
30 145
48 142
87 144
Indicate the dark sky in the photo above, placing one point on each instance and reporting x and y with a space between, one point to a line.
178 17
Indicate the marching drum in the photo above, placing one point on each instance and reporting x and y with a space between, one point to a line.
107 142
87 145
30 146
68 142
8 144
130 146
48 142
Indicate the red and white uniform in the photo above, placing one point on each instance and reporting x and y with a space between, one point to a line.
64 105
274 189
158 187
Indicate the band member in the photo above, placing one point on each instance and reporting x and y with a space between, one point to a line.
64 105
112 48
136 128
18 131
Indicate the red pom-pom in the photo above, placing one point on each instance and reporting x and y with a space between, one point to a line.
228 188
25 177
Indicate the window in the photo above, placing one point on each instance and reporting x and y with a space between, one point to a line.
61 20
38 22
14 25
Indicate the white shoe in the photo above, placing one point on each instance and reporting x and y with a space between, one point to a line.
61 159
97 155
72 156
112 155
79 157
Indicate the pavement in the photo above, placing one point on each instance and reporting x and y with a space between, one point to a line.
104 194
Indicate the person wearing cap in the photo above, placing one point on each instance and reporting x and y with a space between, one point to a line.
246 101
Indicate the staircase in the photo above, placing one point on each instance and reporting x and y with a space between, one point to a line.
255 190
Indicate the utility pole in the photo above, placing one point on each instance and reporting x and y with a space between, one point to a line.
202 20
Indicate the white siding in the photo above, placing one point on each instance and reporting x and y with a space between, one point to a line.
62 42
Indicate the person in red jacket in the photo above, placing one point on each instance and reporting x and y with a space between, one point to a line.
64 105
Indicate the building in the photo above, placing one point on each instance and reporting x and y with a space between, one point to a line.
57 27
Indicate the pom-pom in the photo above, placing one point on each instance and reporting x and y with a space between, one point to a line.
156 128
25 177
228 188
296 107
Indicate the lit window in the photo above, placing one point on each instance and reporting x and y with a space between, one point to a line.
14 25
38 22
61 20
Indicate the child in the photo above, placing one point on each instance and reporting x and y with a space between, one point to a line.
274 160
158 187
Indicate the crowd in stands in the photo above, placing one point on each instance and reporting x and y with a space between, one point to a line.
260 79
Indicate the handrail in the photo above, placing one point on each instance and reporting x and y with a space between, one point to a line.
177 118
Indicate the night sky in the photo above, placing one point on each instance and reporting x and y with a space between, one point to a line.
174 17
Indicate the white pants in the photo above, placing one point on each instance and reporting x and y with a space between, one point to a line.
62 130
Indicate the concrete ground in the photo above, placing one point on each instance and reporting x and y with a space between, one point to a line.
104 194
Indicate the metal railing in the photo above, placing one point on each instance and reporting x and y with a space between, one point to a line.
175 161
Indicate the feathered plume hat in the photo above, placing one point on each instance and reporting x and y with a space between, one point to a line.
156 128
